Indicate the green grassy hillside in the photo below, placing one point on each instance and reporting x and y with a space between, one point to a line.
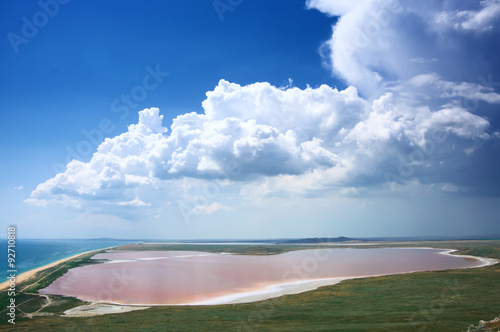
424 301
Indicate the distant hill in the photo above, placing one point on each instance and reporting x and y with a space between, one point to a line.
109 239
320 240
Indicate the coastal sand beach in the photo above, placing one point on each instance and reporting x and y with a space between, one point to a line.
29 274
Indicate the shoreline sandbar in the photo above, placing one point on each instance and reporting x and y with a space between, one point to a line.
31 273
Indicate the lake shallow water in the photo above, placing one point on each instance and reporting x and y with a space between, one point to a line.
189 277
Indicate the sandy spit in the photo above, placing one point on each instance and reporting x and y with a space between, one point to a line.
29 274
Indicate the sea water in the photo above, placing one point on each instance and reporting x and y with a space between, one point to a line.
31 254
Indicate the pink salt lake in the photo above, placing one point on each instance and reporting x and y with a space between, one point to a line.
189 277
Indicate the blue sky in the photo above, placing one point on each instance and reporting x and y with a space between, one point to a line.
319 118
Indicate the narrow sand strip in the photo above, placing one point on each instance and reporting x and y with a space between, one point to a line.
272 291
484 260
29 274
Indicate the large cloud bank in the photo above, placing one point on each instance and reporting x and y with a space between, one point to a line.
377 44
415 112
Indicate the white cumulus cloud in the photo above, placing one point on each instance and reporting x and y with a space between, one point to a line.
474 20
261 141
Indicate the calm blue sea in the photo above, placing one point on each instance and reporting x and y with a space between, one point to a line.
31 254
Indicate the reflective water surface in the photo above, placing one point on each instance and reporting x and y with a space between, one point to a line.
185 277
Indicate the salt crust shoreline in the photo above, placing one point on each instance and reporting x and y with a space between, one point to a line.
296 287
267 292
289 288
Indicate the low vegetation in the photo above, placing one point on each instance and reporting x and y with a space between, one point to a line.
449 300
